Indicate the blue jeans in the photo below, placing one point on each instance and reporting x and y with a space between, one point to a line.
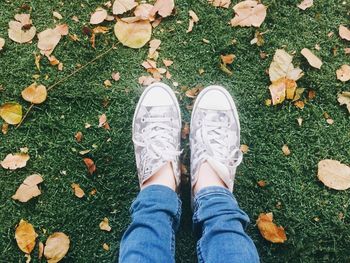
217 219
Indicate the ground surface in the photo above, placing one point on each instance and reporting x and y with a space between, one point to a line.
49 130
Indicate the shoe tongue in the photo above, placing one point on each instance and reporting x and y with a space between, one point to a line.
216 117
222 171
158 111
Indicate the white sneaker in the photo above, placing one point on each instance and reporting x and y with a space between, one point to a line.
215 135
156 131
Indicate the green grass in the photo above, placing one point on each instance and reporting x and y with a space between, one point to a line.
49 129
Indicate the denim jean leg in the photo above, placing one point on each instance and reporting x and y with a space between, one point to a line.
220 224
150 238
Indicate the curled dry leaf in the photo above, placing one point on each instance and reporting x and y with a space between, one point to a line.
105 246
77 190
11 112
25 236
220 3
193 19
133 35
249 13
90 165
34 93
28 189
104 225
163 7
344 32
334 174
269 230
2 43
343 73
122 6
15 161
56 247
306 4
98 16
21 30
244 148
344 99
285 150
144 12
313 60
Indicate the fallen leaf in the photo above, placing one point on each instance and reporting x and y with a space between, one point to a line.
102 120
146 80
261 183
133 35
282 88
122 6
154 44
299 104
281 66
334 174
313 60
49 38
163 7
2 43
56 247
104 225
156 22
57 15
116 76
185 131
220 3
40 250
344 99
105 246
258 39
21 30
244 148
28 189
343 74
98 16
330 121
90 165
78 136
34 93
167 62
25 236
269 230
11 112
227 59
311 94
300 121
4 128
77 190
192 93
306 4
107 83
344 32
285 150
15 161
298 93
144 12
249 13
193 19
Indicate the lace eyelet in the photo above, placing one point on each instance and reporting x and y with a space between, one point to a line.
142 119
143 130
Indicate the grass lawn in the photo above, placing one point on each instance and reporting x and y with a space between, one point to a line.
304 206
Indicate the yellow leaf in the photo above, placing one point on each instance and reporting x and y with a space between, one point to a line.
344 98
278 91
25 236
11 112
104 225
15 161
28 189
269 230
249 13
56 247
334 174
133 35
35 94
313 60
122 6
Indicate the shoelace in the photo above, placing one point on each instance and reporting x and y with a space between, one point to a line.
214 135
157 140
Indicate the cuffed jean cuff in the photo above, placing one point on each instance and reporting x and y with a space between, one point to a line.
216 190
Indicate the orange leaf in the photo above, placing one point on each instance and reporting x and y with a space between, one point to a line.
77 190
104 225
56 247
227 59
35 94
269 230
28 189
90 165
25 236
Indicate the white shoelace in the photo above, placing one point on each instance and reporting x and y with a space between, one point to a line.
214 135
157 139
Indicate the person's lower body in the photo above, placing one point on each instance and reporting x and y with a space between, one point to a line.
217 219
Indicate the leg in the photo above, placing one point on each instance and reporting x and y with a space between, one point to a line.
156 211
155 219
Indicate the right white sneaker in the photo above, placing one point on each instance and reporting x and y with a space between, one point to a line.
215 135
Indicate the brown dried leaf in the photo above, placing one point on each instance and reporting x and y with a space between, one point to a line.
98 16
313 60
305 4
104 225
133 35
269 230
344 99
227 59
11 112
122 6
22 30
15 161
261 183
220 3
249 13
77 190
34 93
334 174
344 32
78 136
105 246
192 93
343 73
56 247
163 7
90 165
25 236
28 189
299 104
